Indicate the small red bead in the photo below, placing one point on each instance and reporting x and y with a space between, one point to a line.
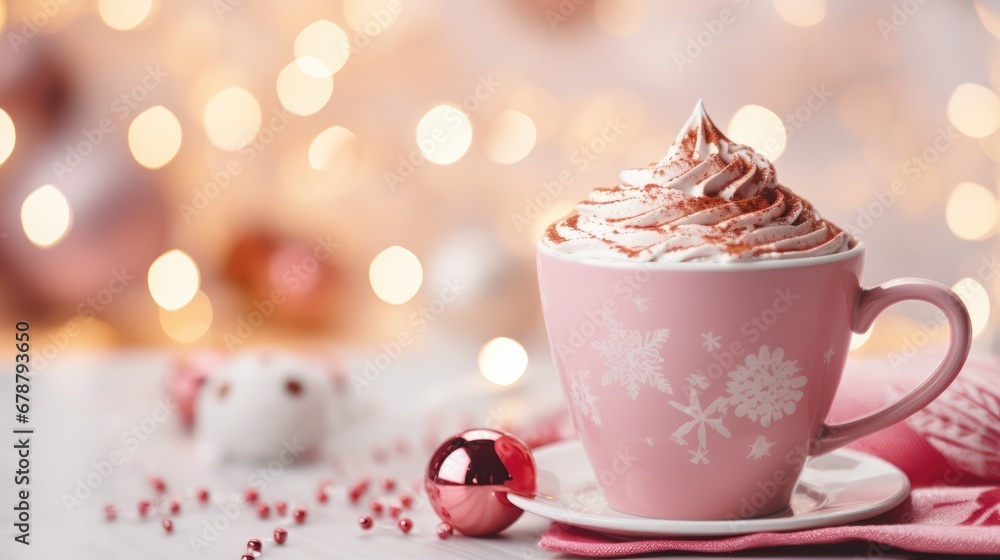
175 506
254 545
250 495
325 483
263 510
406 500
158 484
299 514
280 535
395 509
281 507
354 494
168 525
375 505
248 556
405 525
388 484
110 513
379 455
202 495
445 530
365 522
143 508
321 497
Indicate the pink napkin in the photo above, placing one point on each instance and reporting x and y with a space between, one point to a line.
950 451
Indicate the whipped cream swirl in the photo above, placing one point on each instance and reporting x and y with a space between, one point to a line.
709 200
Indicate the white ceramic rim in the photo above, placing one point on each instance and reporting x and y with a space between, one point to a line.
732 266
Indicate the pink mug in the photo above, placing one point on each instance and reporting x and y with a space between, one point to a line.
698 384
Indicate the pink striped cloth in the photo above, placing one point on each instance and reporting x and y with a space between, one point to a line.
950 451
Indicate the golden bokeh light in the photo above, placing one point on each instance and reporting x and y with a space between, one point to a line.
123 14
46 216
444 134
989 16
621 18
759 128
189 323
971 212
372 17
8 136
859 339
803 13
3 13
513 137
974 110
154 137
325 42
232 118
976 300
335 148
304 92
541 106
395 275
503 361
173 279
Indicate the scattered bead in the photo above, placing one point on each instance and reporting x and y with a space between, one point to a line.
248 556
175 507
445 530
321 496
168 525
143 508
110 513
263 510
379 455
388 484
375 505
281 507
299 514
406 500
405 525
365 522
250 495
158 484
254 545
395 509
202 495
325 483
354 494
280 535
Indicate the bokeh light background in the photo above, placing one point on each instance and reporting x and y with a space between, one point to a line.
166 166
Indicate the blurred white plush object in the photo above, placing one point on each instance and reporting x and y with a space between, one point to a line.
265 405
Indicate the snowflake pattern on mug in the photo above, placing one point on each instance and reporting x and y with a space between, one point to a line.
583 399
764 388
633 359
702 419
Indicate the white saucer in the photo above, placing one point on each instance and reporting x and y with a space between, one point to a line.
836 488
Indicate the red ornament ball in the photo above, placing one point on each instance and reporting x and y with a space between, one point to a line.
405 525
254 545
280 535
470 475
365 522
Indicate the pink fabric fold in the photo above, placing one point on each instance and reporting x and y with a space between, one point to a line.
950 451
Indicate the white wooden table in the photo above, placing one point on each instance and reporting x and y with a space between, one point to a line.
83 404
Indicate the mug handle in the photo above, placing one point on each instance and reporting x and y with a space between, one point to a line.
870 303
